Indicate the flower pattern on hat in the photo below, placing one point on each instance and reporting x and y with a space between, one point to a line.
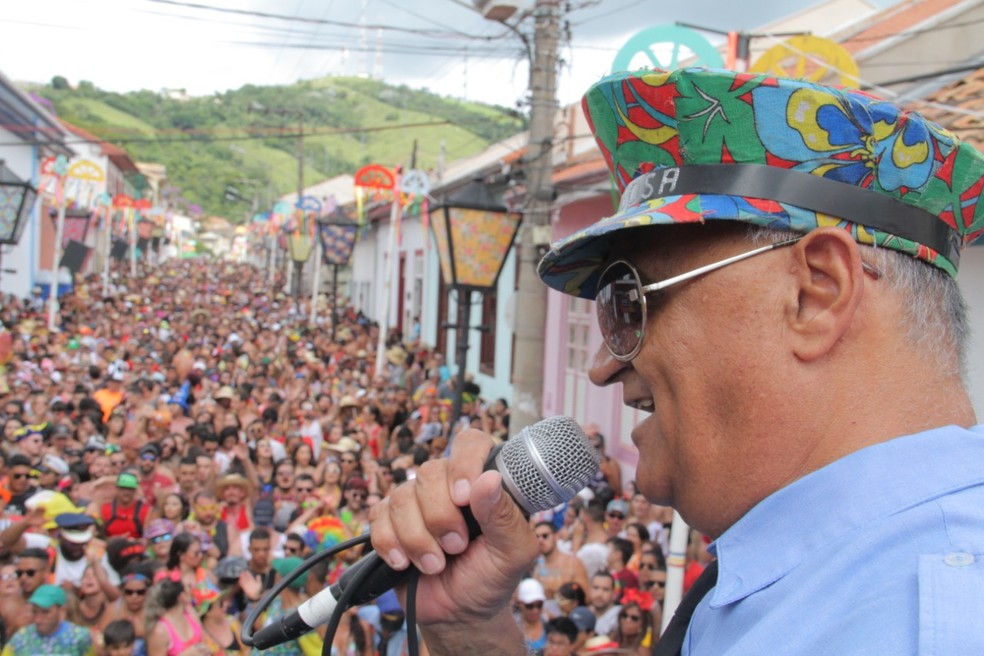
649 120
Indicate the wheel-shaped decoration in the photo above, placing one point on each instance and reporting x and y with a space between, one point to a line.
665 46
87 171
810 58
415 182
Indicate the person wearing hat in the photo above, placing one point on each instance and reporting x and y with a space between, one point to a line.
70 540
584 619
126 515
777 290
50 632
529 600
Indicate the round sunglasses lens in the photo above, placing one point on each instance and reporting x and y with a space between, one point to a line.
619 307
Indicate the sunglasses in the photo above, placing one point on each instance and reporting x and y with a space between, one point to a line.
626 616
19 476
536 604
615 515
292 550
134 593
621 300
26 572
161 538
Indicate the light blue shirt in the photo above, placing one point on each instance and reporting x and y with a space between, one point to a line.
880 552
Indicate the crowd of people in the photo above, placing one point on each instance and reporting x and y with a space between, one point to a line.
178 445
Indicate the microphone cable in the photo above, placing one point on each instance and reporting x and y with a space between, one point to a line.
365 570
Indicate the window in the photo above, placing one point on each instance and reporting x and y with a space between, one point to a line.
490 303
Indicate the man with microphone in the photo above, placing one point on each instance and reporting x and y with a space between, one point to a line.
777 289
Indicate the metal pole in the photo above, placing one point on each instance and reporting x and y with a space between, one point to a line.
527 376
108 246
316 283
334 299
56 258
676 562
461 348
133 245
384 305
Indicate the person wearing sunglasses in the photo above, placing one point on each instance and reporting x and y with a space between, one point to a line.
19 483
634 631
131 605
31 570
530 599
777 298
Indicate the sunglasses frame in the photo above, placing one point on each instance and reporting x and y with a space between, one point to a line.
641 291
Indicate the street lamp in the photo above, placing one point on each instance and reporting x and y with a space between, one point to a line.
338 233
299 243
473 231
16 201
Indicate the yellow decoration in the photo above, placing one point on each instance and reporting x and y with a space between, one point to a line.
810 58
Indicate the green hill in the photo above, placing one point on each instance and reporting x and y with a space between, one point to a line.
248 138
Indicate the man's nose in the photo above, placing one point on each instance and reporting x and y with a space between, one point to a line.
604 367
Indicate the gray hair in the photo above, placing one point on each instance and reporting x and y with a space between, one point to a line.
935 314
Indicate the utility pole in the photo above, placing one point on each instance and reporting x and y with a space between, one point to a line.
535 231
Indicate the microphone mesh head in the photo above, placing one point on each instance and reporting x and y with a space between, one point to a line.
548 463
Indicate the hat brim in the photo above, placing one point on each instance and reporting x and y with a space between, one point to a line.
573 264
77 536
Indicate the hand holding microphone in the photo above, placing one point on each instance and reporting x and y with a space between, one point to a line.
478 560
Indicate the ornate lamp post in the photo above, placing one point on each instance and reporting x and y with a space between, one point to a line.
16 200
300 244
473 231
338 233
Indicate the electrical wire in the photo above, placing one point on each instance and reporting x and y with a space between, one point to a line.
304 19
369 564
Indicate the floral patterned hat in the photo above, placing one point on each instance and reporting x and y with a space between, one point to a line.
696 145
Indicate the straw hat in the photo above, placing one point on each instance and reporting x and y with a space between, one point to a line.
233 479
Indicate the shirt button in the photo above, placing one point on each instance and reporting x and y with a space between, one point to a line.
958 559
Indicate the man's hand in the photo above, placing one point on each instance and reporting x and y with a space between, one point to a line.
35 517
421 523
252 587
94 551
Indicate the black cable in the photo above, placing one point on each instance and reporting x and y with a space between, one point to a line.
365 569
412 639
246 634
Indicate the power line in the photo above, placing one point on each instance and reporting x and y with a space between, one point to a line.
201 136
305 19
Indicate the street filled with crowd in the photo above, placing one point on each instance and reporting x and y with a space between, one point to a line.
178 445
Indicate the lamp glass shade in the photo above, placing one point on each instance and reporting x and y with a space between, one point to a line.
16 201
300 245
473 244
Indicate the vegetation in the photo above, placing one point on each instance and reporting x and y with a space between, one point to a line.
232 150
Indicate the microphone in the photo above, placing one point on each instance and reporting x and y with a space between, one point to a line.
543 466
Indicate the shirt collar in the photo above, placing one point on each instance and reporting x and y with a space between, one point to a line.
776 535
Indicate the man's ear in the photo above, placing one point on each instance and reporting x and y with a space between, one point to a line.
830 284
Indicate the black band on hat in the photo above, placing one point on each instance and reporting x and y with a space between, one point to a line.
860 206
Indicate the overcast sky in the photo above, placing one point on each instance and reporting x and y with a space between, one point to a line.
205 46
